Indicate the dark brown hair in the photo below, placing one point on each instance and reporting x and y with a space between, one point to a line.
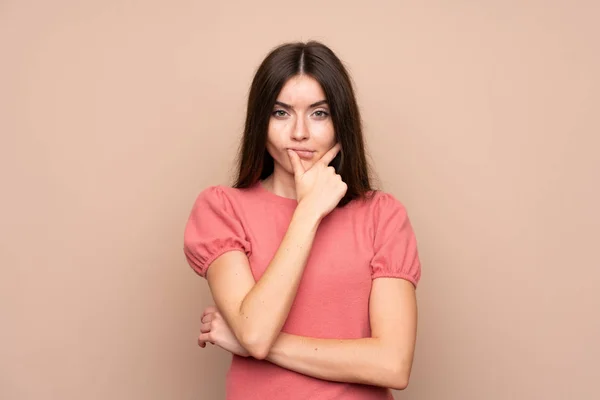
319 62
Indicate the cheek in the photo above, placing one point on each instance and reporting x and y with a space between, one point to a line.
324 134
274 151
280 157
273 139
275 143
277 131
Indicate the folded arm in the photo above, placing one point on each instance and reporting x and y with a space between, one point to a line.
242 301
385 359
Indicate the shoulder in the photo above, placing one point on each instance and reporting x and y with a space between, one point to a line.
219 196
213 227
381 211
381 198
378 202
214 192
395 243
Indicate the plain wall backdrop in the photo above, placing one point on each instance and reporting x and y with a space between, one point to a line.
482 117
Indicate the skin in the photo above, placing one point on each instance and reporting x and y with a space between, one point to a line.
301 141
300 120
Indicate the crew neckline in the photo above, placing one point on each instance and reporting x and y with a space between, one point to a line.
267 194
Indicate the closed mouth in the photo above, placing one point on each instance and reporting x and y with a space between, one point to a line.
304 154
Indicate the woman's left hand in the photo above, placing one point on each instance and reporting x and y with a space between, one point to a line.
214 329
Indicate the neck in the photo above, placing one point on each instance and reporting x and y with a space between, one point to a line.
281 183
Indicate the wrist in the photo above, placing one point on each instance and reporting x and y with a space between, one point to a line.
307 214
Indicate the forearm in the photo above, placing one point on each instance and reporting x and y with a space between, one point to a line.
266 306
367 361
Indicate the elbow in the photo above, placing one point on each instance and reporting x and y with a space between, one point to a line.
399 375
255 337
256 345
258 352
399 382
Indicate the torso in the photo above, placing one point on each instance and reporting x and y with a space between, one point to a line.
332 300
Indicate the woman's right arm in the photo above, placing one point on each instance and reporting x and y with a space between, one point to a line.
256 311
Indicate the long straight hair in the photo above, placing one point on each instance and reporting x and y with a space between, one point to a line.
316 60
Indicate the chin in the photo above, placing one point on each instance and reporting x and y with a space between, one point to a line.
284 167
305 163
287 164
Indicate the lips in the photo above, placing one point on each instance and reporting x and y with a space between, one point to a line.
303 153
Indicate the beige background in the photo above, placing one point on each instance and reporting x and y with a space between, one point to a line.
482 117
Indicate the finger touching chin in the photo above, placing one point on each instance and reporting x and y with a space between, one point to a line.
306 164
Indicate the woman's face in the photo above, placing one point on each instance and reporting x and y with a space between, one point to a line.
300 121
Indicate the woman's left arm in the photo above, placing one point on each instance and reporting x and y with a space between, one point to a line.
384 359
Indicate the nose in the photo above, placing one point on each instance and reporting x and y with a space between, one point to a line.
300 130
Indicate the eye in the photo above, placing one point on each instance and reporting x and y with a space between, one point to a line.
279 113
321 114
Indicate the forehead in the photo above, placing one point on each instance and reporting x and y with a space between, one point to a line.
301 90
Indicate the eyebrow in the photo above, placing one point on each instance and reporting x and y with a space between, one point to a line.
318 103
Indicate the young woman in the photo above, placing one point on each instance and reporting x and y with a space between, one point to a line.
313 273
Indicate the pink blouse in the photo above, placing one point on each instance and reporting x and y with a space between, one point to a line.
365 240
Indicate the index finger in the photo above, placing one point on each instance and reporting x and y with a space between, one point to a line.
330 155
297 167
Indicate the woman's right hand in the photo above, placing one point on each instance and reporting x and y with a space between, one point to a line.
319 188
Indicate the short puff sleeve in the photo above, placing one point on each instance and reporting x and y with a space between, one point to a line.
395 244
212 230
